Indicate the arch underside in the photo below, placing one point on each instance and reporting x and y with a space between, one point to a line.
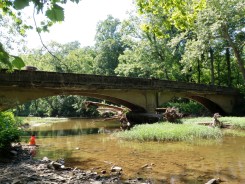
137 101
211 106
131 106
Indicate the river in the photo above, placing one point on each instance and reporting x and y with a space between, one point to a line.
86 144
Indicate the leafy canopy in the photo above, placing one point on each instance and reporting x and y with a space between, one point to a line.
180 13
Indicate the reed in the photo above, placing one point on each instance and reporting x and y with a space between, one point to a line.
236 122
170 132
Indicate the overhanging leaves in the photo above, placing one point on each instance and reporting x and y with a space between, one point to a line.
18 62
56 13
20 4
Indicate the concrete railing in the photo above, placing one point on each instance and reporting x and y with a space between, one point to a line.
24 78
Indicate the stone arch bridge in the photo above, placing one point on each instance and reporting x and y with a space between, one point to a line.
138 94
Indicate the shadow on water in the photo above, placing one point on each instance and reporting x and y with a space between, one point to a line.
69 132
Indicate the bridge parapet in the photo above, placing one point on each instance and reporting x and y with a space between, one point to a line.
24 78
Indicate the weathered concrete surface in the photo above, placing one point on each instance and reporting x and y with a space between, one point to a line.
140 95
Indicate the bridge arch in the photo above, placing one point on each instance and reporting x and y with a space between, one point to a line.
210 105
115 100
118 101
207 104
222 104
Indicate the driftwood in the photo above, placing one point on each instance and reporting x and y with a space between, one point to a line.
214 181
125 125
172 114
216 122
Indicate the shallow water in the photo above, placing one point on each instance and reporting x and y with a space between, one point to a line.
78 142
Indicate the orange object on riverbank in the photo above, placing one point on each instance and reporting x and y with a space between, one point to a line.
32 140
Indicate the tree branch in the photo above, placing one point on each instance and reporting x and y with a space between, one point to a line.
40 37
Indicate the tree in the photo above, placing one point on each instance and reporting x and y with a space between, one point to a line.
51 9
147 54
82 60
69 58
108 46
201 23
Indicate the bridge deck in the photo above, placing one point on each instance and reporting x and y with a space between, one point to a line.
41 79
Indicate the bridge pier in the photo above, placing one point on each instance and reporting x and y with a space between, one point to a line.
151 101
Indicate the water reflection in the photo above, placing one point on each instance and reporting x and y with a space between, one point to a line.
80 144
73 127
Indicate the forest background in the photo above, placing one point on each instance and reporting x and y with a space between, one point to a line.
199 41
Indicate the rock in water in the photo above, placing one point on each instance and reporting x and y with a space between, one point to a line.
116 169
213 181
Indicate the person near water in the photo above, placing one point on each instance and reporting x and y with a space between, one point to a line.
32 140
32 144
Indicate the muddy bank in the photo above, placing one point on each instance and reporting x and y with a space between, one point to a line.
22 168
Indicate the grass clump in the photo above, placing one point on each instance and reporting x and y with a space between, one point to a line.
170 132
237 123
233 132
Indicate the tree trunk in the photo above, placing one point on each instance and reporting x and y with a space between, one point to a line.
211 51
199 67
235 50
228 62
218 72
159 52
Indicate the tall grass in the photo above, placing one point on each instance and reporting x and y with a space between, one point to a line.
235 122
234 132
170 132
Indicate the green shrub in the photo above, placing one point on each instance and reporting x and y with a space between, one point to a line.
187 107
9 131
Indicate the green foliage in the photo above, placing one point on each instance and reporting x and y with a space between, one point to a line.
108 46
56 13
170 132
57 106
147 55
21 4
10 61
69 58
52 9
180 13
187 107
200 25
232 132
9 131
237 123
17 62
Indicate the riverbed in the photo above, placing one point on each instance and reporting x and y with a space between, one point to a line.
89 145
